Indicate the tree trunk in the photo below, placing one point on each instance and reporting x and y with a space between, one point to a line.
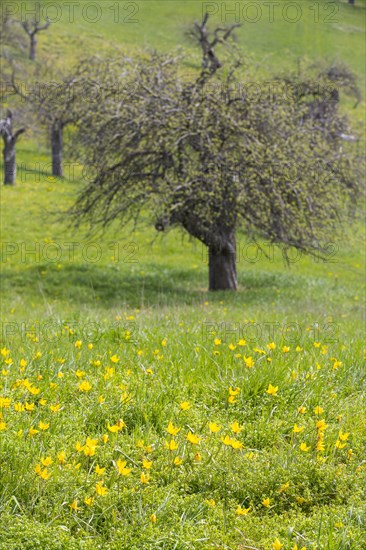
9 162
56 145
32 47
352 2
222 265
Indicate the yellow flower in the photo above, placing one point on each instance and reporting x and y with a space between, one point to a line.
191 438
318 410
80 373
231 347
304 447
234 391
74 505
19 407
177 461
266 502
88 501
210 502
242 511
78 344
146 464
236 444
231 399
301 410
116 427
248 362
84 386
284 487
98 470
164 342
100 489
242 342
339 444
90 446
272 390
5 402
236 428
4 352
55 408
23 363
90 346
321 425
298 429
343 436
61 457
45 474
144 478
115 358
172 430
105 438
3 426
285 349
277 545
185 406
121 467
153 518
33 431
46 461
214 427
271 345
217 341
226 440
43 425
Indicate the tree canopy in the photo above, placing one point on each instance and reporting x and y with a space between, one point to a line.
201 152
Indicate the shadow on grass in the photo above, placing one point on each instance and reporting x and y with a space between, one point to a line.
155 285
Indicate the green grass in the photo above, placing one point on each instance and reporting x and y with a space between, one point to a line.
171 338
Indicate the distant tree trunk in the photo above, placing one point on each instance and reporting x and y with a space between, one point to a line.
32 47
222 264
10 139
9 161
32 29
56 145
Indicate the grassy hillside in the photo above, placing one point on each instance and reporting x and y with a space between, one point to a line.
115 336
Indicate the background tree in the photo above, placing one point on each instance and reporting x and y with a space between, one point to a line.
52 102
32 28
199 155
10 138
208 41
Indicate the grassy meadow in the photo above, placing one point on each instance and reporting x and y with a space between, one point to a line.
137 410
